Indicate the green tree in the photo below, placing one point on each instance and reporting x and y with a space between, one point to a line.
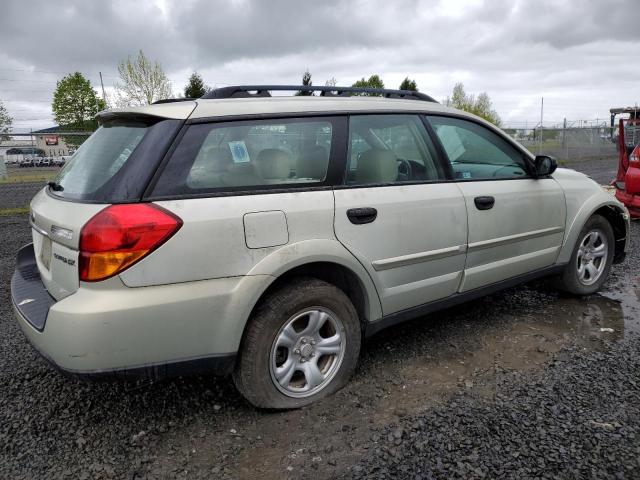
306 81
5 122
480 106
143 82
196 87
374 81
75 103
408 84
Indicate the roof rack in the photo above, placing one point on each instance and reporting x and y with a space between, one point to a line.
246 91
173 100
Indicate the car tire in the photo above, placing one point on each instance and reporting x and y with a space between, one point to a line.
586 272
302 344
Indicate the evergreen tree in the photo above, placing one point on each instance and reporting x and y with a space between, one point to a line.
196 87
306 81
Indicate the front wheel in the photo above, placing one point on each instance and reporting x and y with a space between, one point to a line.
302 344
591 258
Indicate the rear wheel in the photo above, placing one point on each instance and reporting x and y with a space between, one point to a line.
591 258
302 344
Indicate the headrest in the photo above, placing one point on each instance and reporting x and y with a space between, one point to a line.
219 158
273 164
377 166
312 163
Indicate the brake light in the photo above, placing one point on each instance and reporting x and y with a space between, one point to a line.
121 235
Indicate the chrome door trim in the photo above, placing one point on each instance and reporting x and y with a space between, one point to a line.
496 242
388 263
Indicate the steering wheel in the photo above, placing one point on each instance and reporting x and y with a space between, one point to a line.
509 171
404 168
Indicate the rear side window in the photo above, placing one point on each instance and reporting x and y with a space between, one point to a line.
249 154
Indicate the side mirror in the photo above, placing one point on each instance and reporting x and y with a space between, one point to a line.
545 165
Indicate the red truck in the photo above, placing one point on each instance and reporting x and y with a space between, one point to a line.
627 182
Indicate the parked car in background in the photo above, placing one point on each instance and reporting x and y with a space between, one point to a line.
266 236
46 162
58 161
26 163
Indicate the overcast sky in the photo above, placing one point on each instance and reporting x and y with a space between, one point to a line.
582 56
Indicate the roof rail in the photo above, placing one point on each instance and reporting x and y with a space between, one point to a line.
173 100
245 91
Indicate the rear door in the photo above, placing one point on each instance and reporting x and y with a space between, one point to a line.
244 190
396 215
516 222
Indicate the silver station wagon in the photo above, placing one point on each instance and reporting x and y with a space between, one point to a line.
267 236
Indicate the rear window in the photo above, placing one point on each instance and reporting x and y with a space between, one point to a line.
258 154
99 159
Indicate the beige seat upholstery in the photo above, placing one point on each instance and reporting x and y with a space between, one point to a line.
209 166
274 164
312 163
377 166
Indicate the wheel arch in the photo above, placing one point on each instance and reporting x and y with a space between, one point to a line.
612 211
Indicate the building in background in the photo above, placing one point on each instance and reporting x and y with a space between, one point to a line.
50 141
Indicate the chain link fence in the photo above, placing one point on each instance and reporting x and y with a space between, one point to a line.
581 139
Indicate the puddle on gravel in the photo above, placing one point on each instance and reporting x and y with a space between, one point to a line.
408 370
528 342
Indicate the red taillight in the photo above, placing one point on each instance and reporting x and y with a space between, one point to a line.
120 235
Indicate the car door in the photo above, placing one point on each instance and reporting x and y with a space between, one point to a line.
516 221
405 225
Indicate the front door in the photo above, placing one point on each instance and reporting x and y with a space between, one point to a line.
397 217
516 222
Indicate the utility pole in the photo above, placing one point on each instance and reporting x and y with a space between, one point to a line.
541 116
104 97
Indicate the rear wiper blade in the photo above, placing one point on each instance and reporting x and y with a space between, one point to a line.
56 187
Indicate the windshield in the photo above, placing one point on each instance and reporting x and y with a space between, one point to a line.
98 159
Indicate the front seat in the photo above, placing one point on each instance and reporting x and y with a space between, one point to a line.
377 166
312 163
209 167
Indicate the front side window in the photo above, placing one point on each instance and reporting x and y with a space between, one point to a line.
390 149
477 153
261 153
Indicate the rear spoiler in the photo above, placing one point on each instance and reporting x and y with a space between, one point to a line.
176 111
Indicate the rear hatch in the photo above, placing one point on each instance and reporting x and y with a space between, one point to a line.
113 166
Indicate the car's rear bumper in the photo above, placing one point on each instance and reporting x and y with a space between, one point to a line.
109 329
631 201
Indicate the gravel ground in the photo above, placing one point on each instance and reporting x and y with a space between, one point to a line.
602 170
524 383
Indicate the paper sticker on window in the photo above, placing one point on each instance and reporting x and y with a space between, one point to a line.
466 175
239 152
451 142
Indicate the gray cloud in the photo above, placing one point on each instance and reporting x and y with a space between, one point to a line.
580 57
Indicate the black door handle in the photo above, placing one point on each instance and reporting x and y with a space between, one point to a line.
484 203
358 216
